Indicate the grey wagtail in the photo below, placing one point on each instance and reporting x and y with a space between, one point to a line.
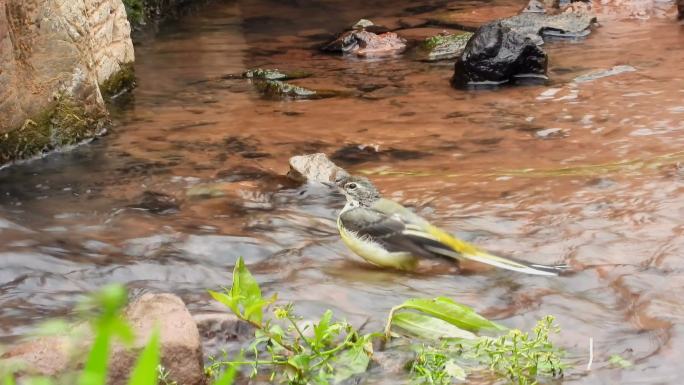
388 234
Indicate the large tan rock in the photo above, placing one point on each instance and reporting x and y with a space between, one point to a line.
54 54
181 350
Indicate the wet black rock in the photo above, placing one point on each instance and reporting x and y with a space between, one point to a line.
157 203
496 54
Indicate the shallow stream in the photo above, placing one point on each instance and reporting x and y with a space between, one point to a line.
586 174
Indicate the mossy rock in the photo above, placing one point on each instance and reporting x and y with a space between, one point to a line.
276 89
443 47
275 74
64 123
122 81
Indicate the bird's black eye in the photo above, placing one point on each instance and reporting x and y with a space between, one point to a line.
351 186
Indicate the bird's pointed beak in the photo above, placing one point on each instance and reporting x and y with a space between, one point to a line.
329 184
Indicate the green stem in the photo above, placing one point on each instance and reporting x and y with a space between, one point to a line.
301 334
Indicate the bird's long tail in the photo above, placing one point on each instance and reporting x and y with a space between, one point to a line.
460 249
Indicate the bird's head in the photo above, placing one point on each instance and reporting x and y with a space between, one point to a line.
358 190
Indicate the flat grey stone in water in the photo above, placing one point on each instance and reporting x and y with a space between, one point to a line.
536 25
604 73
315 168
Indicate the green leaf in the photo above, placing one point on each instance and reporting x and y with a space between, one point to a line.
617 360
95 371
230 302
244 284
321 328
145 371
452 312
427 327
255 311
453 370
227 377
120 328
299 361
351 362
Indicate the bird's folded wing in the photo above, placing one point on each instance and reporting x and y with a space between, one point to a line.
398 229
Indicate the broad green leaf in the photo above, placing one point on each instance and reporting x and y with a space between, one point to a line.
229 301
227 377
454 370
120 328
350 362
244 284
322 329
111 299
452 312
145 370
255 311
95 370
299 361
427 327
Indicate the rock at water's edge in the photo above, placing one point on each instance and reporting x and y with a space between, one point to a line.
315 168
51 71
181 350
495 55
680 9
366 42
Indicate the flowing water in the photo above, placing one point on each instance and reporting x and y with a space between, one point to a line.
583 173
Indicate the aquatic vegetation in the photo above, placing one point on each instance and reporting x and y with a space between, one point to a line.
329 351
274 74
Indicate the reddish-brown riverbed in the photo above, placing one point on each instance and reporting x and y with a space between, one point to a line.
586 174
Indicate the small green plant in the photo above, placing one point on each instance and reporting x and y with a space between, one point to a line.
295 353
434 366
620 362
521 357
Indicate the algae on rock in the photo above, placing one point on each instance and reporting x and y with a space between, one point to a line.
65 123
443 47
